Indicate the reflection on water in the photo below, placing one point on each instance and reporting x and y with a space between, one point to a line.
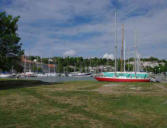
60 79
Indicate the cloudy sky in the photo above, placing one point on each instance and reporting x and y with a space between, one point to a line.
86 27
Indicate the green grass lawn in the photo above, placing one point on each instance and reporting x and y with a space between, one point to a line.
82 104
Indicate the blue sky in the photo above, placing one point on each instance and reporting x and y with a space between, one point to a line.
86 27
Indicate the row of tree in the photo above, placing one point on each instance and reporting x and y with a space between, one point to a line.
70 64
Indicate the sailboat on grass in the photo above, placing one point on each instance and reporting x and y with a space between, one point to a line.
123 76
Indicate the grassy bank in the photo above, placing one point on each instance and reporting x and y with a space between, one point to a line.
88 104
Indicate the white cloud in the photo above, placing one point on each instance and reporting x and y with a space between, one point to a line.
70 53
44 39
59 10
108 56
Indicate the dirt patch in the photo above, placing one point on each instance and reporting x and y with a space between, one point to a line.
104 90
90 122
16 101
121 89
11 99
71 119
111 85
133 116
161 87
49 110
108 88
17 126
74 101
96 124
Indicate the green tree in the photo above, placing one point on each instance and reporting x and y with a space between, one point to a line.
59 67
10 48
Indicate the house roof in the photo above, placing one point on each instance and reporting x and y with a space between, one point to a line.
51 65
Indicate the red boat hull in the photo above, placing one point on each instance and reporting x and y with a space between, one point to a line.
121 80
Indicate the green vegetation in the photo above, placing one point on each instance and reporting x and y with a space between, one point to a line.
79 104
157 69
71 64
151 59
10 48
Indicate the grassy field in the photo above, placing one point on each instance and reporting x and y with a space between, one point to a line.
82 104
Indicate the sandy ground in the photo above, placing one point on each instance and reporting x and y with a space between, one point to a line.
120 88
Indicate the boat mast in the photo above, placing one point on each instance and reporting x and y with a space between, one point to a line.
137 56
37 64
29 62
49 64
128 58
116 42
135 64
41 64
25 64
124 54
122 49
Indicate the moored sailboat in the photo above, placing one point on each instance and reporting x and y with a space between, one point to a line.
123 76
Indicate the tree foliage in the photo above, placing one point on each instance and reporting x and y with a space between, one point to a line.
10 48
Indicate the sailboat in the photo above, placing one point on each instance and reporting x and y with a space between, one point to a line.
123 75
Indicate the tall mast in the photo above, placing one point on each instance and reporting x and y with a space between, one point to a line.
124 54
137 55
122 49
135 64
29 62
41 64
49 64
128 57
25 64
116 42
37 64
